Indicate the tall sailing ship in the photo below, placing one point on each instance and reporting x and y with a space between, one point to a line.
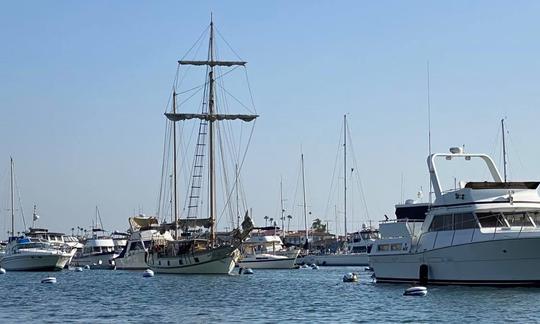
195 248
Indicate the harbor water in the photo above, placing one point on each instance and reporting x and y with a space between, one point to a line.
267 296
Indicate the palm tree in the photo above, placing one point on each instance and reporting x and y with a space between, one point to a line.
266 221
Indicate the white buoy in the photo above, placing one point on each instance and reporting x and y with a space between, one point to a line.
304 266
2 271
248 271
87 267
148 273
415 291
314 266
48 280
350 277
78 269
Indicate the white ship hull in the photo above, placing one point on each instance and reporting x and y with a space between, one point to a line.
34 262
98 261
220 260
267 261
353 259
133 261
496 262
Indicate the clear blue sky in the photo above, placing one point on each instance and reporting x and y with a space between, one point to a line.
83 86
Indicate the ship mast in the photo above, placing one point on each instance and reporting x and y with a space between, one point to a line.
211 111
345 174
504 149
305 207
175 205
211 117
12 200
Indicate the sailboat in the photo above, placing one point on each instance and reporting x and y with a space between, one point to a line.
357 245
192 252
30 254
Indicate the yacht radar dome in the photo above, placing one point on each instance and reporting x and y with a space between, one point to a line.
456 150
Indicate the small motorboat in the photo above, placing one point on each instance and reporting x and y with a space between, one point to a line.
415 291
50 280
350 277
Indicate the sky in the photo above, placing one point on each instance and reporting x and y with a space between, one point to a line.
83 88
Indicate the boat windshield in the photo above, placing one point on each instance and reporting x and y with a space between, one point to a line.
509 219
36 245
374 235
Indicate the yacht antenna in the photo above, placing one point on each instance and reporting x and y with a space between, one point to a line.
429 125
504 149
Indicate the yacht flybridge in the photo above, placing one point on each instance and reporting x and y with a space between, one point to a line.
479 233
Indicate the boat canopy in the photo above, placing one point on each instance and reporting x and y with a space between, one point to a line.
209 117
502 185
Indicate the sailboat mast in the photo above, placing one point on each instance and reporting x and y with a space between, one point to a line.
304 191
211 111
345 174
281 203
504 149
237 200
12 200
175 205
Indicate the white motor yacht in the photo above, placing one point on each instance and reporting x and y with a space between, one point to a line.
355 254
58 240
478 233
25 254
98 252
134 254
267 252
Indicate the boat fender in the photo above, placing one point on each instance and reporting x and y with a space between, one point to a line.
148 273
49 280
415 291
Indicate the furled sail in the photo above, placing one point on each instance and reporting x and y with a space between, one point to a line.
213 63
209 117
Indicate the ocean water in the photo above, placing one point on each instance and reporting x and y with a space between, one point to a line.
267 296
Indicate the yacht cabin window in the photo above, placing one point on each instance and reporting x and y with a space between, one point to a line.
491 220
464 221
518 219
451 222
535 217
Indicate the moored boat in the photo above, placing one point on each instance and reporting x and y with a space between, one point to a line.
478 233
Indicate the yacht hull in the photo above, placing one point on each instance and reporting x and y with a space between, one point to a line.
338 259
103 261
267 262
25 262
219 260
132 261
504 262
